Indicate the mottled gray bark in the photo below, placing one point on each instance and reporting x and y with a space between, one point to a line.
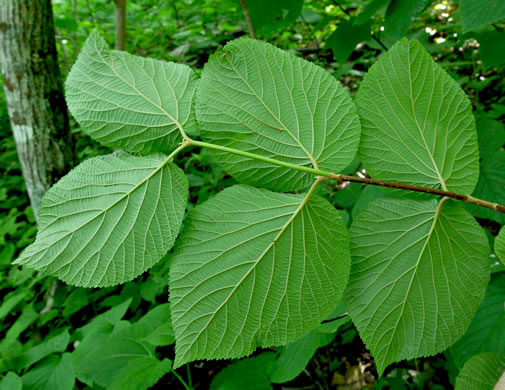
34 94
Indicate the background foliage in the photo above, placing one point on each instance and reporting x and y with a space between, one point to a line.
62 337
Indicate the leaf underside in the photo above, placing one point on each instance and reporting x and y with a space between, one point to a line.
255 268
110 219
257 98
419 272
417 123
130 102
482 372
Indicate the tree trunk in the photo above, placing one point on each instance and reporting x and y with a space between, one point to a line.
34 94
120 24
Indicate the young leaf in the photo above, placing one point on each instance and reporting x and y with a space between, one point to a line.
475 14
133 103
417 123
247 374
499 245
110 219
481 372
419 272
487 330
257 98
294 357
55 373
255 268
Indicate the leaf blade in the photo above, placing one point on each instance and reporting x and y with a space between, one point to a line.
129 102
257 98
417 123
110 219
264 252
433 264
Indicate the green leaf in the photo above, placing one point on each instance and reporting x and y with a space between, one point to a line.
370 10
482 372
417 123
55 344
106 351
129 102
491 136
255 268
295 356
419 272
110 219
368 194
491 186
55 373
268 16
140 374
475 14
257 98
492 48
344 39
11 382
332 326
247 374
487 330
499 245
399 15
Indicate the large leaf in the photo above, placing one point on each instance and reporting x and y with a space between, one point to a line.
55 373
247 374
419 272
268 16
129 102
482 372
491 186
110 219
257 98
474 14
255 268
487 330
417 123
499 245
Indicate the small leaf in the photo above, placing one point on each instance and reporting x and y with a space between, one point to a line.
140 374
247 374
257 98
133 103
294 357
481 372
371 8
487 330
55 373
492 48
344 39
399 15
419 272
255 268
491 136
268 16
417 123
110 219
11 382
499 245
490 187
475 14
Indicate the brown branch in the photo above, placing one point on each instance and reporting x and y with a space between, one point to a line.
248 18
497 28
120 24
409 187
335 318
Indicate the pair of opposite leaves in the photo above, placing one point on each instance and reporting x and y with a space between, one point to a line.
259 268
